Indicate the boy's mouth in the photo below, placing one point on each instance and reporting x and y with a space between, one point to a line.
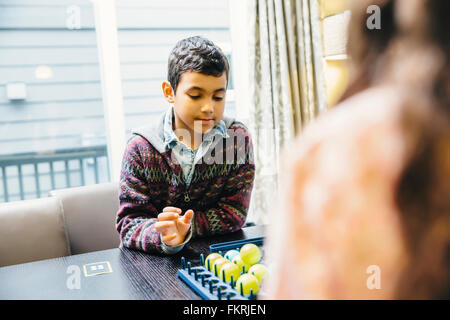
206 121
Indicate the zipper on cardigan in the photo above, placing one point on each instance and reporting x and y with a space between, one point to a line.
186 194
186 197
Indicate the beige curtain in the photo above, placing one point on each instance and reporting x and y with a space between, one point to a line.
286 86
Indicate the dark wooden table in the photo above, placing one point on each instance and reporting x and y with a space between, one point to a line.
136 275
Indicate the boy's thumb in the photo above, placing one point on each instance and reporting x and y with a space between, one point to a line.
188 216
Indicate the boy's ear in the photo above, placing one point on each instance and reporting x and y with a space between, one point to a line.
168 92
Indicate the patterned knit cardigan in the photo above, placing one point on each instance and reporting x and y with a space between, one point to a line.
219 192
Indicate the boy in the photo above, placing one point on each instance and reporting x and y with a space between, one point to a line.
182 163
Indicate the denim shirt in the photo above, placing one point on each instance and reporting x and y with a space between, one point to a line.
187 157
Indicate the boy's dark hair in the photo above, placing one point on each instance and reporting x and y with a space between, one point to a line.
196 54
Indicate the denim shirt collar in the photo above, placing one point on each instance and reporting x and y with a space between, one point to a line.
171 140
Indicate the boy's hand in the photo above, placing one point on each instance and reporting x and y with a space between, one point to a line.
172 226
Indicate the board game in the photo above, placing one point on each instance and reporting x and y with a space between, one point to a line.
235 275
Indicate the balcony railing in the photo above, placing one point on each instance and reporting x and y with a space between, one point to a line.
33 175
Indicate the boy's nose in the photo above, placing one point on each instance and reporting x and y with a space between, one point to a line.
207 108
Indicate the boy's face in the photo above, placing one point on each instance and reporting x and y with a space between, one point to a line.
199 101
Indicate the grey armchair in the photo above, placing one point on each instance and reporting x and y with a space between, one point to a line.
89 215
32 230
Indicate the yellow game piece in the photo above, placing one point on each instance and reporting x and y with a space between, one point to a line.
249 282
218 265
230 269
210 259
250 254
238 261
260 271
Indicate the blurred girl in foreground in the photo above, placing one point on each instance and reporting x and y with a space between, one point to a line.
365 201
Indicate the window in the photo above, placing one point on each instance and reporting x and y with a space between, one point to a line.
147 32
52 129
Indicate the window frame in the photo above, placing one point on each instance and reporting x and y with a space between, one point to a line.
111 83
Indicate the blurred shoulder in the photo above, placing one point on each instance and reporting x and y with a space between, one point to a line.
359 138
373 112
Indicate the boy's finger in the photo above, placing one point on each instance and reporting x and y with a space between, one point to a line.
166 216
172 209
161 226
169 237
187 218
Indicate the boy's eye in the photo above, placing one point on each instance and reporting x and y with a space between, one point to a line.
197 97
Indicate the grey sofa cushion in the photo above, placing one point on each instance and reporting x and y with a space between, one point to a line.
89 215
32 230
